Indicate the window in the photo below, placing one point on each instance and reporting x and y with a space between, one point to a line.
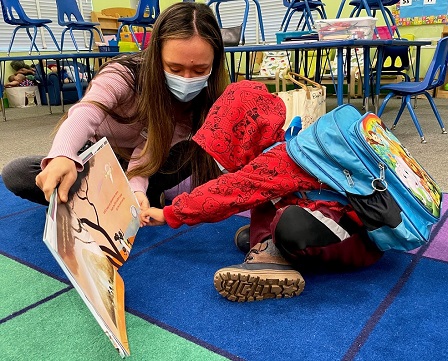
45 9
272 12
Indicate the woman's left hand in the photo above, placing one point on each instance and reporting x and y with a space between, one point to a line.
142 200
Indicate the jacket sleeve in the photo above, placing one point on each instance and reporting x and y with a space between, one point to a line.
268 177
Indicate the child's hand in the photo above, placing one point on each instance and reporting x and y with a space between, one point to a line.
152 217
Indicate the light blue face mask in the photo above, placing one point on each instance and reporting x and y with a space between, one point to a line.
185 89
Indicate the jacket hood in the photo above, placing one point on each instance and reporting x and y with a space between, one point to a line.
245 120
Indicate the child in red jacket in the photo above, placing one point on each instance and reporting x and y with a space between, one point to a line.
287 232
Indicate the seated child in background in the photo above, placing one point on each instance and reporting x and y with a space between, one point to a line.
287 233
54 69
18 79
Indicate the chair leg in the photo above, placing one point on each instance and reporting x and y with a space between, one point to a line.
414 118
287 15
12 39
32 40
52 37
383 106
74 40
436 112
246 15
218 15
288 20
260 20
100 34
91 39
62 38
400 112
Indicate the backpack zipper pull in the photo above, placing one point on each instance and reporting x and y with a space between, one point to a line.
347 174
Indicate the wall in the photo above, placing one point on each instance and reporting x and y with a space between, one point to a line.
99 5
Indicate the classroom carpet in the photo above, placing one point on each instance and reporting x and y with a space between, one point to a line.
394 310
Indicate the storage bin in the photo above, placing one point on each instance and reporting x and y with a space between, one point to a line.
346 28
108 49
383 32
127 47
294 35
23 96
139 37
127 37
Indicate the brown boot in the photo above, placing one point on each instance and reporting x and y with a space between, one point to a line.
264 274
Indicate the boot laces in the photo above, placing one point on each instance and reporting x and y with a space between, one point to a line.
261 247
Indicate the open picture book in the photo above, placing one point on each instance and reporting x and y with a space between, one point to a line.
92 234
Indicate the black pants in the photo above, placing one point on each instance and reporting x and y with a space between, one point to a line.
19 176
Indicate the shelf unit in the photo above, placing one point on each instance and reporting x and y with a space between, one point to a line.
440 92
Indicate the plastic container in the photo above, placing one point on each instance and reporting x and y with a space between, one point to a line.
346 28
383 32
127 37
292 35
139 37
108 49
127 47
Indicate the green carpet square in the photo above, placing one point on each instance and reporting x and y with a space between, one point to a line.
64 329
22 286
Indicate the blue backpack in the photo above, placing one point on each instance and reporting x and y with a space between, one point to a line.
361 160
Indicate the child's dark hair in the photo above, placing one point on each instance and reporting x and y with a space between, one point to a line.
19 64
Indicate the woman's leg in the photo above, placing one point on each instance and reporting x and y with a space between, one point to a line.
19 176
171 174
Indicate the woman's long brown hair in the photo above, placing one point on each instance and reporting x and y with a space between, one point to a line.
182 20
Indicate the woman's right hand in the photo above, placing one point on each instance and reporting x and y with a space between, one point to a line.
59 171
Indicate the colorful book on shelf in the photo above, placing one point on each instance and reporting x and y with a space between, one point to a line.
92 234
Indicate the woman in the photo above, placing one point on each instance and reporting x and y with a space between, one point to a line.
148 105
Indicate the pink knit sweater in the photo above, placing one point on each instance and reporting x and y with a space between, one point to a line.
87 121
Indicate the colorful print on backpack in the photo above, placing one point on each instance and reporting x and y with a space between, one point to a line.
408 170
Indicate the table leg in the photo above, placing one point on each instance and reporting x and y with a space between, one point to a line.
340 76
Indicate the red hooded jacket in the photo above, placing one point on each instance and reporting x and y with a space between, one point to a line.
242 123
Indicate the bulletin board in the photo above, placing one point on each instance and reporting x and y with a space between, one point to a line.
421 12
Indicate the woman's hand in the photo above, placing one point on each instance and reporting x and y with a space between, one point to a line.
152 217
59 171
142 200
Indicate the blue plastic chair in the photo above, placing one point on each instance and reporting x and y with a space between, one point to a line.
14 14
305 7
245 16
382 6
70 17
145 17
434 78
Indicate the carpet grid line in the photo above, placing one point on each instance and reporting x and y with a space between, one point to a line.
184 335
30 307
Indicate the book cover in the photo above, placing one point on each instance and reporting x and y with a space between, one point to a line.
92 234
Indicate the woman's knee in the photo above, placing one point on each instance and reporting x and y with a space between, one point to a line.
19 178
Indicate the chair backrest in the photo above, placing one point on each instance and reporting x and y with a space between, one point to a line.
13 12
68 11
147 10
396 59
435 76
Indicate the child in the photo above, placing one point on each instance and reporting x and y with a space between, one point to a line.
287 232
18 79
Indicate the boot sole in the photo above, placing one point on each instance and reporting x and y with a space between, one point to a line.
255 285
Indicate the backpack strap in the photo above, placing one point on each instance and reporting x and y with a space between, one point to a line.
323 195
